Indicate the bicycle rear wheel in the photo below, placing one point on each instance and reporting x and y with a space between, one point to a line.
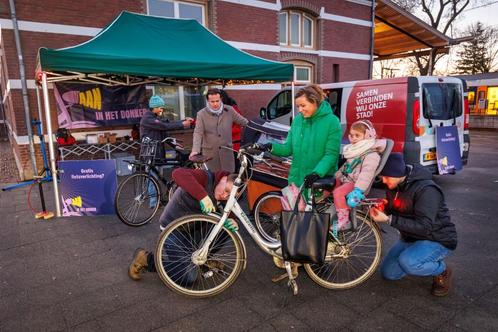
352 260
137 199
267 214
175 257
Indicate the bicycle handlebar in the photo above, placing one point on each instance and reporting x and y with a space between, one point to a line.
268 155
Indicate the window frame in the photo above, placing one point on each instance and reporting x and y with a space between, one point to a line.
310 73
302 17
307 17
299 24
176 9
286 28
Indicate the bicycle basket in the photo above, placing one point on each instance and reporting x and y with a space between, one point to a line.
148 150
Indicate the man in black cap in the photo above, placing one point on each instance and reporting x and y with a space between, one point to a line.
416 208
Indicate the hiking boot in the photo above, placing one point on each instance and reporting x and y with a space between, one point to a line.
441 283
215 265
138 264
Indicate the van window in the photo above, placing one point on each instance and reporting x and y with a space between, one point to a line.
442 101
280 105
335 101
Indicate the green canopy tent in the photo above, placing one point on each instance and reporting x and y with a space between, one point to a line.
136 47
140 49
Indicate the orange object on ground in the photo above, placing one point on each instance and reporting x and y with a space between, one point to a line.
45 215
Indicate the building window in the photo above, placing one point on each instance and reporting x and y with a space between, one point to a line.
302 74
181 101
296 29
177 9
282 28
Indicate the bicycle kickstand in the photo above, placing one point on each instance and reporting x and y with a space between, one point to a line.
292 280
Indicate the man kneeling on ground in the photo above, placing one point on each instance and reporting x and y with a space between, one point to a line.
417 209
197 192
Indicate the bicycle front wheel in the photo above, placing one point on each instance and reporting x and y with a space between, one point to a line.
267 214
137 199
176 261
351 259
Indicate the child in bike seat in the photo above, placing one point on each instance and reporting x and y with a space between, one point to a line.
356 175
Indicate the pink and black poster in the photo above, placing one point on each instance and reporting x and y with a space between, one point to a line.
92 105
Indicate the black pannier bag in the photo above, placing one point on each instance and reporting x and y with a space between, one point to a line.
304 235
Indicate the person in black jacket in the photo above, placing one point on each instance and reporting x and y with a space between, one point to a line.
156 129
417 209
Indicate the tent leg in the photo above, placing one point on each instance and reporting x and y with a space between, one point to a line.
293 103
50 143
39 104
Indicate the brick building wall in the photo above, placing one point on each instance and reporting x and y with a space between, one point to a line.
341 43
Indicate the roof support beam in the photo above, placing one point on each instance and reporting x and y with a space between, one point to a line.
444 50
403 31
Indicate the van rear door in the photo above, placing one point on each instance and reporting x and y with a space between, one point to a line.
441 104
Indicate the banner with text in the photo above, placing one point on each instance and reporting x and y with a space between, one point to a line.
88 187
385 105
449 159
92 105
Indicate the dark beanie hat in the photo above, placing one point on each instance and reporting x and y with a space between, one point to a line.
395 166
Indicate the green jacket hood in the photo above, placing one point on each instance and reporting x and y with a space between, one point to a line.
323 110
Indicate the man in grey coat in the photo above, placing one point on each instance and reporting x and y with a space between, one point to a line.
213 129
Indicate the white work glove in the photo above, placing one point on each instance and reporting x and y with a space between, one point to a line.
207 205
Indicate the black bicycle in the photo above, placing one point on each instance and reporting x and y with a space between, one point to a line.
139 196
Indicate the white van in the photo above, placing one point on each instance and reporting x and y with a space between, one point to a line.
406 110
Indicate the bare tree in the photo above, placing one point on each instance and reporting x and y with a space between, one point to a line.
439 14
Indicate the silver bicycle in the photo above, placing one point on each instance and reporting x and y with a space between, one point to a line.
198 256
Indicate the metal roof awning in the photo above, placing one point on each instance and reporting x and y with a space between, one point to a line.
398 33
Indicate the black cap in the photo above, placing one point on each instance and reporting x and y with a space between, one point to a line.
395 166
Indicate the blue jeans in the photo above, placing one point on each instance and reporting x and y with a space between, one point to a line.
151 190
419 258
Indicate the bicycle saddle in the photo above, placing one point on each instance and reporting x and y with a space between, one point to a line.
326 183
199 159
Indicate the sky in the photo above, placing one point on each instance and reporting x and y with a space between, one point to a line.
483 14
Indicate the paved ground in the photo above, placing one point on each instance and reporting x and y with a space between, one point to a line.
8 168
70 274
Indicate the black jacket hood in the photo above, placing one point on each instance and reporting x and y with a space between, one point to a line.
415 173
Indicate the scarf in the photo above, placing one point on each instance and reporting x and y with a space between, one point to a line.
354 150
216 112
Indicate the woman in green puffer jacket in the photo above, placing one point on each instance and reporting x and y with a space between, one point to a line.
314 139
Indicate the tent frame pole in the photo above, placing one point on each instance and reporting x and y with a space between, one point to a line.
50 135
293 103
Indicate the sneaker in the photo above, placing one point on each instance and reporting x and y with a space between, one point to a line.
343 222
345 226
138 264
441 283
